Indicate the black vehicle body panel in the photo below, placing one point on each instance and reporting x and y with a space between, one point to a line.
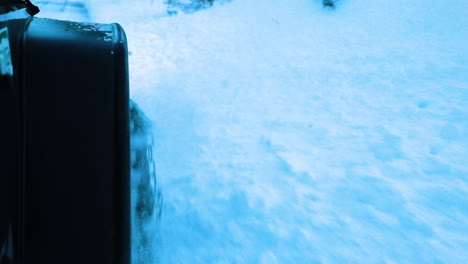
64 144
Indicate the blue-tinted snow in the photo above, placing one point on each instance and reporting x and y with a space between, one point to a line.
76 10
286 133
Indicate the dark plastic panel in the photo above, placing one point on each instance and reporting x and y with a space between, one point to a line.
66 131
11 154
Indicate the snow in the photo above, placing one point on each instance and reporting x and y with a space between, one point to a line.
286 133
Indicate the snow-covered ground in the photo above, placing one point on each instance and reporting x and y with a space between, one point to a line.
286 133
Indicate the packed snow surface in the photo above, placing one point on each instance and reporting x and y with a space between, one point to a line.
289 133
